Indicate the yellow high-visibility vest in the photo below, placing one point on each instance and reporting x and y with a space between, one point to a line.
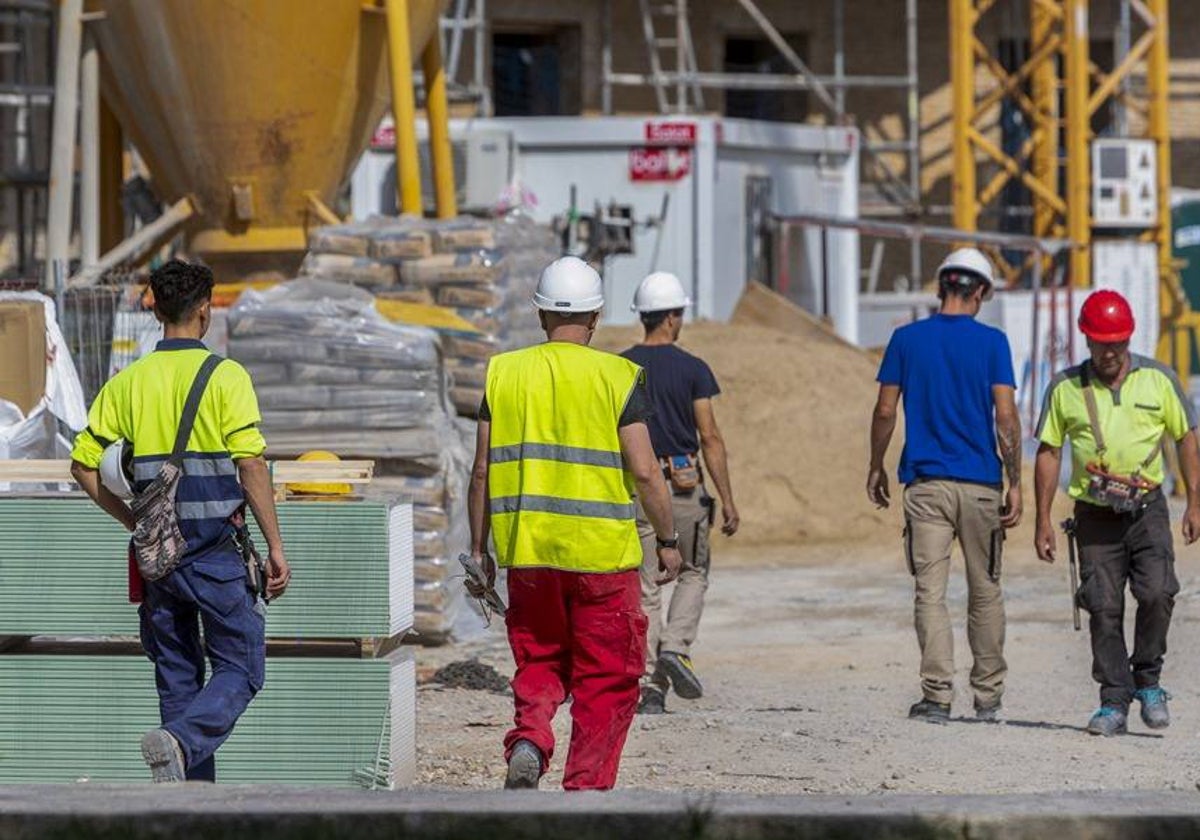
559 492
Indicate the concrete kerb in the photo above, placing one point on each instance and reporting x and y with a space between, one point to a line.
208 812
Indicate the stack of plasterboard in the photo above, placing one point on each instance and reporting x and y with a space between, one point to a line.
316 721
63 570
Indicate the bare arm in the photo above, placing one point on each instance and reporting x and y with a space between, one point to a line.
1189 464
652 491
1008 435
89 480
1045 483
883 425
477 494
255 478
712 444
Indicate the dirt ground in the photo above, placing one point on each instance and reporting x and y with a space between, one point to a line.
810 663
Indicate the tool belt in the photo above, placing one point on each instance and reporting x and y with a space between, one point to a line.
682 472
256 567
1121 493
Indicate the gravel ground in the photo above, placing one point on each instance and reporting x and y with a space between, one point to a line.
809 663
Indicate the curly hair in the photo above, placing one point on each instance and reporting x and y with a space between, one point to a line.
179 288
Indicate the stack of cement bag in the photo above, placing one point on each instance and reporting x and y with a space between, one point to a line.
483 269
332 374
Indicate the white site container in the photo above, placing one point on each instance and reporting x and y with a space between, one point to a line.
708 166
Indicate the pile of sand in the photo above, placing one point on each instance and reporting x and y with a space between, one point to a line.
795 411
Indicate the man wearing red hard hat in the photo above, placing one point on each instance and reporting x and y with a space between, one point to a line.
1115 409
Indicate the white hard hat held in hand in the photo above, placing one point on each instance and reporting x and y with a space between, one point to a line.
970 262
115 467
659 292
569 285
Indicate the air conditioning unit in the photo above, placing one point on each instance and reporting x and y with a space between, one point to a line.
483 165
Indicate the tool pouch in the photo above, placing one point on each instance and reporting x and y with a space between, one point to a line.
1111 491
996 554
158 544
683 471
256 567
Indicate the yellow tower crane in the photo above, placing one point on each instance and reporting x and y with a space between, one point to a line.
1058 90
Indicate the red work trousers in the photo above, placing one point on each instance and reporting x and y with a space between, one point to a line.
583 636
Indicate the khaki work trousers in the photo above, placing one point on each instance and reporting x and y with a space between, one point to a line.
687 600
935 513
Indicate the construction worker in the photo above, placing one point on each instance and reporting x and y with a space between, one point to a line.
1115 409
681 391
140 409
956 378
562 445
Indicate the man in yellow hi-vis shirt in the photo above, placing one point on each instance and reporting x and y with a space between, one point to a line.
1115 409
222 470
561 448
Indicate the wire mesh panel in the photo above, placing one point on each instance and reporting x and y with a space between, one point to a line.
86 316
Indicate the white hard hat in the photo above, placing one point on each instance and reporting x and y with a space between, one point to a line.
569 285
114 469
658 292
970 261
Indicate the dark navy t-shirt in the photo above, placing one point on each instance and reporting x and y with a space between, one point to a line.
676 379
946 366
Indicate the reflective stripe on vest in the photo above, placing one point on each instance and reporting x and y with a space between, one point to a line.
559 493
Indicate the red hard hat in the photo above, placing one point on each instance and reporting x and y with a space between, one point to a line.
1106 317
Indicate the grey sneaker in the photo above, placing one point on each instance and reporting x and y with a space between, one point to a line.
1154 707
524 767
678 669
653 702
930 711
990 714
163 756
1107 721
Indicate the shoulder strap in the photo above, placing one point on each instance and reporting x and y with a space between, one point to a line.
188 419
1089 399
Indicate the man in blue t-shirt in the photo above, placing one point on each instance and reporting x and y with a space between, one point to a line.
956 378
682 427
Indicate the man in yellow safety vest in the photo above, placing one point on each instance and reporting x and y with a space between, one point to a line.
562 447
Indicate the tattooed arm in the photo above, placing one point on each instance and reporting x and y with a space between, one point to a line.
1008 435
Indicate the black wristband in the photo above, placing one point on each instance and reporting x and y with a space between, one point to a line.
673 542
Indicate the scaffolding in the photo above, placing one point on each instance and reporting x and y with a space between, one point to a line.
884 191
464 28
27 34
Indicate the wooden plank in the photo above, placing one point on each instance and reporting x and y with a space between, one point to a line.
283 472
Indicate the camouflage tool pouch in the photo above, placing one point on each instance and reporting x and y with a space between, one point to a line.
158 544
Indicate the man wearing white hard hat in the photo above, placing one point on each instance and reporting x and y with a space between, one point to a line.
682 428
956 379
561 450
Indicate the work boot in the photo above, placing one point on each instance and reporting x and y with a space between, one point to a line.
930 711
524 767
989 714
678 669
1154 707
653 702
1108 720
163 756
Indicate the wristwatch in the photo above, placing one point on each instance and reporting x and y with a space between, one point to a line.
673 542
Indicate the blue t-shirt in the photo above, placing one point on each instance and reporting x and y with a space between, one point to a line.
946 366
676 379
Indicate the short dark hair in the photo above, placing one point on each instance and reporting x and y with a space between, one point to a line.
652 320
961 284
179 288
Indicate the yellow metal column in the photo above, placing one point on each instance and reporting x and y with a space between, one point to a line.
1044 89
438 113
404 107
1078 114
962 80
1158 84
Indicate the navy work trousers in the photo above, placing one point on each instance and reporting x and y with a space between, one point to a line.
210 591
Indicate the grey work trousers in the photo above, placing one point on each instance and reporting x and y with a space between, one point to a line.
935 513
1116 549
677 635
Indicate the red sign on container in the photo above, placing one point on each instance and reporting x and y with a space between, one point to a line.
671 133
659 163
384 137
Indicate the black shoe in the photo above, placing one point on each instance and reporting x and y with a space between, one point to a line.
524 767
930 711
678 669
653 702
989 714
